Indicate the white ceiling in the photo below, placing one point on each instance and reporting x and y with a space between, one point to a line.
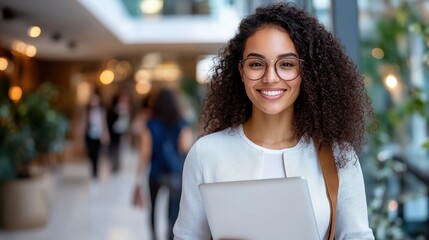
102 30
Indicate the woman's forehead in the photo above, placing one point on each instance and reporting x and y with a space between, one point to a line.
269 41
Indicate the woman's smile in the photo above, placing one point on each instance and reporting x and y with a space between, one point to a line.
272 93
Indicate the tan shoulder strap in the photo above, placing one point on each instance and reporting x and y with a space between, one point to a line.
330 174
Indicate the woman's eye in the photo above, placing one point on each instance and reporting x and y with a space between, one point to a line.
256 64
287 64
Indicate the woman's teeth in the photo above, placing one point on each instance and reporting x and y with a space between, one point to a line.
272 93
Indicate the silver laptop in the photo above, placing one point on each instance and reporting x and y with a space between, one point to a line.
275 209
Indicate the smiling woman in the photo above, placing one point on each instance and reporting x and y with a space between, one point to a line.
271 109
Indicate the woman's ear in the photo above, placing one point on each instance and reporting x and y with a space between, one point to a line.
241 71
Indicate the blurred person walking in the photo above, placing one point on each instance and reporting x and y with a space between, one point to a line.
165 141
118 122
96 133
139 120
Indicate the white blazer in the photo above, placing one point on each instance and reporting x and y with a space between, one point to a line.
229 155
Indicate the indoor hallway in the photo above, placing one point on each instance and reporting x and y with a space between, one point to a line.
85 209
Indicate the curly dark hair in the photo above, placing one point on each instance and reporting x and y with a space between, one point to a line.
166 108
332 106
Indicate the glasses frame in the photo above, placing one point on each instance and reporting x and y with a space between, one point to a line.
300 61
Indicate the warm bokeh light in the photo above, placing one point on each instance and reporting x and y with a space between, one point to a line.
168 71
23 48
107 77
15 93
120 69
19 46
377 53
34 31
3 64
151 6
30 51
391 81
83 91
142 75
143 87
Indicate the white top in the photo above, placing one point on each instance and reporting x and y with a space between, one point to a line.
229 156
95 122
272 166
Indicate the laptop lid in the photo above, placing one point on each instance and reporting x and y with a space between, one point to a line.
260 209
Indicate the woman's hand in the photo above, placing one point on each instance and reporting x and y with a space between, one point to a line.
138 201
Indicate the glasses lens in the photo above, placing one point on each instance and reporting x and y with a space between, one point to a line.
254 68
287 68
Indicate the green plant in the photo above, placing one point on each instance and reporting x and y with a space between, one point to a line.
395 29
28 129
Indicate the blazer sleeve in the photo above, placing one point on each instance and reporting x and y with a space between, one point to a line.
191 223
352 213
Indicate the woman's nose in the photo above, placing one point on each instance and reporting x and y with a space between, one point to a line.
270 74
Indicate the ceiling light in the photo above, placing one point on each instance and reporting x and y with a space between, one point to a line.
56 36
151 7
7 14
34 31
107 77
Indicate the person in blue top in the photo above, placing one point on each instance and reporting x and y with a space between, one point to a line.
165 140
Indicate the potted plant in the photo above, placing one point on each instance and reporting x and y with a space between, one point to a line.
29 128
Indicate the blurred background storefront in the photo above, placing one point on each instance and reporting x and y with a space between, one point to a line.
53 54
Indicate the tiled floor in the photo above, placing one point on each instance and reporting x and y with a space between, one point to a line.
85 209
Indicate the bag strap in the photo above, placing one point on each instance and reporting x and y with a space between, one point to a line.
330 174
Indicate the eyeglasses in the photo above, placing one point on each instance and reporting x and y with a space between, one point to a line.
287 68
